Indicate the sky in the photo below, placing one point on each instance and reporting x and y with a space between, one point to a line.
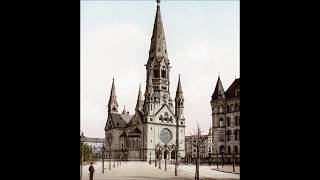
202 40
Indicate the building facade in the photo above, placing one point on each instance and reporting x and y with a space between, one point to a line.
205 148
152 131
226 121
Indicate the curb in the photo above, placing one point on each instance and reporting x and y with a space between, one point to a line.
226 171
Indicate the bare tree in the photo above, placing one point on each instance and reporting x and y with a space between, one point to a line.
198 140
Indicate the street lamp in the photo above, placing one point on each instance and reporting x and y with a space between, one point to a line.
217 159
150 158
103 150
81 158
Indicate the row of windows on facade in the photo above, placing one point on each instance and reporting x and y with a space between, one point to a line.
236 121
235 149
230 108
236 134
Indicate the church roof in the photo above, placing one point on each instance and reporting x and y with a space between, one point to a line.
231 90
120 120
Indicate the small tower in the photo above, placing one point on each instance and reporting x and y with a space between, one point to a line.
179 103
148 106
139 105
218 117
124 110
113 103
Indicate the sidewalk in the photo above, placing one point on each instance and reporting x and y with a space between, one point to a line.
227 169
144 171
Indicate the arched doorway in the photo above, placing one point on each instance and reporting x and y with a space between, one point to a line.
165 155
173 154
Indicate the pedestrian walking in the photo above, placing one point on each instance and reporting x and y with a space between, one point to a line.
91 170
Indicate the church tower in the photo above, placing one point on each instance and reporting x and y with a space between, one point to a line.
113 103
158 66
180 124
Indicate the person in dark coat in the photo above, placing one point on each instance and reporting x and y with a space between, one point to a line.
91 170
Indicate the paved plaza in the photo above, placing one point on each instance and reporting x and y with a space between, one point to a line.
143 170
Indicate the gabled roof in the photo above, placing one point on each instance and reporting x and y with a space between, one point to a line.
231 90
135 130
120 120
162 108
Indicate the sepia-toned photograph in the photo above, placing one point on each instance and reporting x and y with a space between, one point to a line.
160 89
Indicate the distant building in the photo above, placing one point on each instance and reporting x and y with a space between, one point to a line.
205 148
95 145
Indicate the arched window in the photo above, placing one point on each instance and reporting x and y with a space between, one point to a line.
236 134
166 116
228 121
236 107
228 135
156 73
220 109
229 150
221 122
161 118
163 73
221 148
236 151
237 120
228 108
221 136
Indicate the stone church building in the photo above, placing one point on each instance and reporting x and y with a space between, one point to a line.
152 130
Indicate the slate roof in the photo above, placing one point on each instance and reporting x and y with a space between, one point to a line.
231 90
120 120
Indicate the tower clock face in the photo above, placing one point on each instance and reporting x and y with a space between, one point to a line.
165 135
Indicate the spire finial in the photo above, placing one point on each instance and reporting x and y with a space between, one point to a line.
179 76
158 2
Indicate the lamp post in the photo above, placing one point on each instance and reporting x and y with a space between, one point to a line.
109 160
81 158
217 159
222 152
150 158
103 150
209 157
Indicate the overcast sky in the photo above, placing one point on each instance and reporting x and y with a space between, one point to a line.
202 40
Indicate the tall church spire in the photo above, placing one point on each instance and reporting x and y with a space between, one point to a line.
139 104
158 47
113 103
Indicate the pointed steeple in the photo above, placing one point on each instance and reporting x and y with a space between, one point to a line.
113 103
179 95
124 110
158 47
218 91
139 104
179 88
